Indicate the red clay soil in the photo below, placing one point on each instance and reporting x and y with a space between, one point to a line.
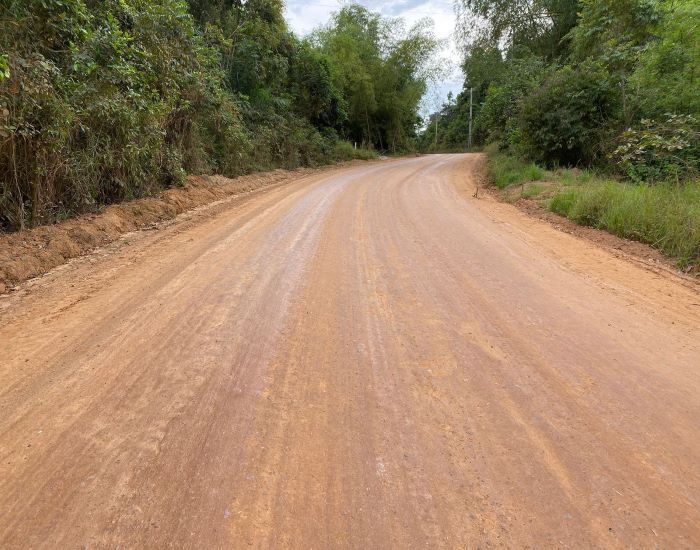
364 358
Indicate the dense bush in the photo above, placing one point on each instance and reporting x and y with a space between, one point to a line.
660 150
497 120
562 121
583 82
102 101
667 69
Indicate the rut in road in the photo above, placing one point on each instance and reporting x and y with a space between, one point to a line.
366 358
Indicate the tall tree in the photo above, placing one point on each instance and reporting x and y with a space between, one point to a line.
382 69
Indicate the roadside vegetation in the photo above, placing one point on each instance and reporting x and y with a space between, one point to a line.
103 101
665 215
592 105
506 170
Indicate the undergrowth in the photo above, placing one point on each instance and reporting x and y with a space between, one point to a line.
666 216
663 215
507 170
344 150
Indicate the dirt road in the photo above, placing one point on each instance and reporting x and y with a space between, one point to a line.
366 358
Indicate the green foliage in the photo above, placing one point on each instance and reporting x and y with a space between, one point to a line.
533 190
614 31
381 69
665 216
508 170
4 67
106 101
318 99
667 70
575 176
452 127
483 66
496 120
615 34
534 32
93 103
587 82
539 25
562 122
344 150
660 150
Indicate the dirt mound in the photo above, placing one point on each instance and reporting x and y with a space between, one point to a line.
30 253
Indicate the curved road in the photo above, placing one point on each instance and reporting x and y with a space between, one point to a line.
366 358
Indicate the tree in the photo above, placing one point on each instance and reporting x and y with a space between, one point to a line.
615 32
540 25
382 71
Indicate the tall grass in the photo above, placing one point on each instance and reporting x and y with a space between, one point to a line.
508 170
344 150
665 216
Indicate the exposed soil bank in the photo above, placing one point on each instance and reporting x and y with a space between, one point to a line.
28 254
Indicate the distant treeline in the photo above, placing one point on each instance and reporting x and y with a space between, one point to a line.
606 83
105 100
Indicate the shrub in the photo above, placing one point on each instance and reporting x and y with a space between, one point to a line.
497 116
344 150
98 105
562 122
660 150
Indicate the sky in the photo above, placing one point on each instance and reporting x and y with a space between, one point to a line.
305 16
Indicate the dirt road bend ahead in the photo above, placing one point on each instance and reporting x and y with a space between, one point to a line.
365 358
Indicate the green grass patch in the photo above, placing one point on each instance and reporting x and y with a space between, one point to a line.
666 216
344 150
574 176
507 170
533 190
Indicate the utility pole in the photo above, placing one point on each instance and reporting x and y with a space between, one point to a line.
471 99
437 116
